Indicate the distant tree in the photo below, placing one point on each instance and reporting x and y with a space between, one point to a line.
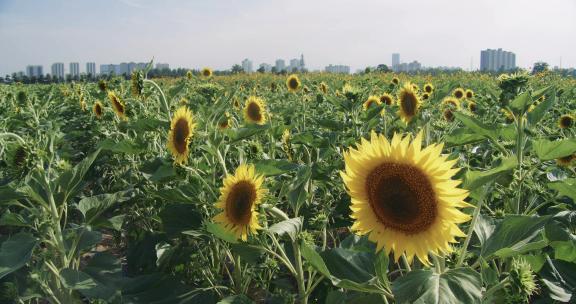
382 68
539 67
236 69
367 70
261 70
294 70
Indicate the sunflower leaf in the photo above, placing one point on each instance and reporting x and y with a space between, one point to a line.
542 108
290 226
15 252
547 150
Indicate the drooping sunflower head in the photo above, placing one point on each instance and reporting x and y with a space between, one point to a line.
117 105
566 121
137 83
206 72
181 130
293 83
98 109
387 99
541 98
428 88
225 121
239 198
255 110
404 196
458 93
395 81
372 100
469 94
472 107
408 103
20 160
451 102
448 114
323 88
566 161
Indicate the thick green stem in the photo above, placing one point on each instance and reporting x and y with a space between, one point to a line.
163 97
469 234
520 157
303 298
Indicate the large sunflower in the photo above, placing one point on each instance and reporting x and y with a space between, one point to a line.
408 103
372 100
566 121
255 110
181 131
404 196
206 72
117 105
239 196
293 83
98 109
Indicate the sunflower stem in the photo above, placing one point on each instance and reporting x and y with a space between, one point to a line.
163 97
470 231
13 135
278 213
303 297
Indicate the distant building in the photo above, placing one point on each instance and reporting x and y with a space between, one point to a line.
124 68
266 67
162 66
409 67
58 70
107 69
497 60
344 69
34 71
302 65
247 66
91 68
74 69
395 61
280 65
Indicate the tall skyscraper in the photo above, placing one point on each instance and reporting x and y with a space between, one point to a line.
395 61
91 68
58 70
497 60
34 71
280 65
302 65
74 69
247 65
162 66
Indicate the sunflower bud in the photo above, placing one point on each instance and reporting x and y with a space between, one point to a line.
137 83
522 283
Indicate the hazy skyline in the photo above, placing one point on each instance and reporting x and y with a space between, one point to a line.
218 34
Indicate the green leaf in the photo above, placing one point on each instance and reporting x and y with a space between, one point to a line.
460 285
290 226
124 146
547 150
71 180
298 188
15 252
186 193
310 255
514 235
149 124
237 299
93 206
463 136
246 132
560 279
475 179
180 217
521 103
566 187
221 233
8 194
476 126
85 284
544 107
272 167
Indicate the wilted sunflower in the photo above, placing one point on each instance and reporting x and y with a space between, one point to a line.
472 107
98 109
206 72
239 197
428 88
403 196
387 99
181 131
395 81
408 103
566 161
117 105
255 110
469 94
448 115
566 121
451 102
293 83
224 122
372 100
323 88
458 93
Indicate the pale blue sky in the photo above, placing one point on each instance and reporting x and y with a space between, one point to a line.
218 33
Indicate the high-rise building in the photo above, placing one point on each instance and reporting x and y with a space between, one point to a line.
247 65
91 68
497 60
302 65
58 70
34 71
280 65
294 65
395 61
338 69
74 69
413 66
266 67
162 66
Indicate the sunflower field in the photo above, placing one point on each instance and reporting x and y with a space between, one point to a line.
306 188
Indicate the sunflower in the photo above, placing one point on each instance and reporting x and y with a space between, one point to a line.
408 103
224 122
458 93
387 99
451 102
395 81
98 109
206 72
323 88
181 131
566 161
428 88
425 96
472 107
102 85
189 75
255 110
293 83
403 196
448 115
117 105
508 115
469 94
372 100
566 121
239 197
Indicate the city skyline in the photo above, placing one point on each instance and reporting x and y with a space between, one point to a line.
218 34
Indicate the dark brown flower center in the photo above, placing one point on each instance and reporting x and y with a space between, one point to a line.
448 115
408 102
469 94
293 83
566 122
402 197
386 100
117 105
239 202
181 133
458 94
98 109
254 111
472 107
20 156
428 89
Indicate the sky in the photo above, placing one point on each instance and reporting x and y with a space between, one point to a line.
219 33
